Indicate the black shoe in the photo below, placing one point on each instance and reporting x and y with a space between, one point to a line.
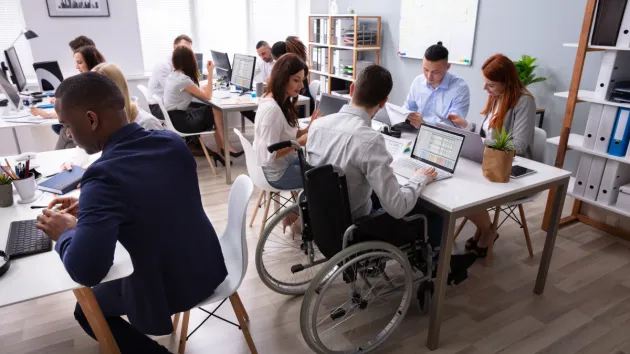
459 267
471 243
233 154
218 158
482 252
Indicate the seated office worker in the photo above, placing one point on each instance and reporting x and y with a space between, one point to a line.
160 72
192 117
346 139
277 121
264 63
511 106
177 260
437 91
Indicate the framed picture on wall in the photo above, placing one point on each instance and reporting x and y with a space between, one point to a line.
77 8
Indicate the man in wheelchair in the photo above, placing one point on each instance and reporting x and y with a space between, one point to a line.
347 140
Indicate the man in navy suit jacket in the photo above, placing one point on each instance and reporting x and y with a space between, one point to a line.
142 192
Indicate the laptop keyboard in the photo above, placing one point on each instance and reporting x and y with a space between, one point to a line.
405 166
25 239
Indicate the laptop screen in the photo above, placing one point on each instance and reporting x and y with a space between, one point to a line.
331 104
438 147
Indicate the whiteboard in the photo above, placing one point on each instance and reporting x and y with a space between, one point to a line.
426 22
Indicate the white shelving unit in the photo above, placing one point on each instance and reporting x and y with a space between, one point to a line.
575 143
587 96
595 48
611 208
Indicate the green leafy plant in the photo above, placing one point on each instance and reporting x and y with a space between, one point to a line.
525 68
4 179
502 141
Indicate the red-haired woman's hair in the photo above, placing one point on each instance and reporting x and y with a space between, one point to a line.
501 69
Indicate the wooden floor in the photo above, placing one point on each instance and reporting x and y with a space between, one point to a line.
585 307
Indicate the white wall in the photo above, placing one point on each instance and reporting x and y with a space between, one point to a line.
117 36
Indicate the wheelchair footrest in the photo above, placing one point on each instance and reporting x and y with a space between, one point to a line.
296 268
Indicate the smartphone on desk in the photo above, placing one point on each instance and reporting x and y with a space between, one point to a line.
520 171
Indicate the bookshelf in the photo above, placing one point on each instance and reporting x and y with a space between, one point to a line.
569 141
339 45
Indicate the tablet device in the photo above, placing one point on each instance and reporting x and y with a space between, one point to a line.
520 171
446 120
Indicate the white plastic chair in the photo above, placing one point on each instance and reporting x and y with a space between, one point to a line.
314 87
234 247
169 125
255 172
538 155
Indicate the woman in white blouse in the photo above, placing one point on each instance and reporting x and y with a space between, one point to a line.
277 121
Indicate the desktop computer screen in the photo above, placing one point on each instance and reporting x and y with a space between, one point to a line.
17 75
9 90
222 64
243 71
438 147
200 65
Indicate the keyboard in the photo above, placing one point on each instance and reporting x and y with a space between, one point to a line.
404 166
25 239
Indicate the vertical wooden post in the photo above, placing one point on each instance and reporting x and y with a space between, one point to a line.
572 100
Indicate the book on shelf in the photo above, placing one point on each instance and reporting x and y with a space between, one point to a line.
320 30
319 59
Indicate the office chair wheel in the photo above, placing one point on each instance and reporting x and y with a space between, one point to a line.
424 295
347 311
285 263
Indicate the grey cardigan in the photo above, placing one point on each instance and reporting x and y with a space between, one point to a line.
521 121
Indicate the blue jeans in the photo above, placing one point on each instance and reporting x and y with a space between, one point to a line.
292 177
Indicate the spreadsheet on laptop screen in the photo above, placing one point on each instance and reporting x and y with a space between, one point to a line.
438 147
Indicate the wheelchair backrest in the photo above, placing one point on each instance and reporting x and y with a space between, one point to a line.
328 207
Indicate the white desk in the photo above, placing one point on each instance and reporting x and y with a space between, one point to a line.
216 102
44 274
7 124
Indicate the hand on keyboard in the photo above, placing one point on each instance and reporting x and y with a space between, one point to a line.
54 223
431 173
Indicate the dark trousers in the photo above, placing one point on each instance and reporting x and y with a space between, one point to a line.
251 115
156 111
198 117
129 339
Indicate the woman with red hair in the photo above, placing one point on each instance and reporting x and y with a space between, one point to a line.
509 106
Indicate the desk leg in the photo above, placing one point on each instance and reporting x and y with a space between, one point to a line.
550 240
446 246
226 139
17 142
95 318
542 118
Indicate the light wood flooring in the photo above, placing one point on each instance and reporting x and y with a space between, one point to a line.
585 307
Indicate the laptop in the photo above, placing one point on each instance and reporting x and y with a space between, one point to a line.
434 147
331 104
473 144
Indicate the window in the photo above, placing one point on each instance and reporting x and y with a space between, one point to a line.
222 26
274 20
161 21
12 23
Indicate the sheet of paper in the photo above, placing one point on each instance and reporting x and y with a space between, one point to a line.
238 101
396 114
395 146
30 120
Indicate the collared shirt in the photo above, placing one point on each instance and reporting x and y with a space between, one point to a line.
157 81
262 70
452 96
346 139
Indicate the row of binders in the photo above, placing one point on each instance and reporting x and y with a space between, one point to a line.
600 179
608 130
319 59
613 81
320 30
612 24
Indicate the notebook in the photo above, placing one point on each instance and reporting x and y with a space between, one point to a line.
63 182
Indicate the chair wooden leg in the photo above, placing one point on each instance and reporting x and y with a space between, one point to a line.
184 334
260 197
461 227
526 231
266 213
205 151
240 304
243 324
176 322
495 224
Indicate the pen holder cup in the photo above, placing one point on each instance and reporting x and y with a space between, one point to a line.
6 195
27 189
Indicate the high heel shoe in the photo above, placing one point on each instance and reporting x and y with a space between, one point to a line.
218 158
233 154
482 252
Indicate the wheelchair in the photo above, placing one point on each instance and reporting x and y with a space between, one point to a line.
357 287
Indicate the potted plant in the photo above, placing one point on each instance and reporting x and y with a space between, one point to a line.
6 191
498 157
525 68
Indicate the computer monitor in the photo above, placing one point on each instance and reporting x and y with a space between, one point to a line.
199 58
222 65
438 147
17 74
12 94
48 74
331 104
243 71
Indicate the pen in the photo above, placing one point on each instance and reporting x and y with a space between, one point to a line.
39 206
28 164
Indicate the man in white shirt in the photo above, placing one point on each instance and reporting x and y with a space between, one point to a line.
265 62
159 74
347 140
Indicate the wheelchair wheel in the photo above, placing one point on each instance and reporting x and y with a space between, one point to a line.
424 295
285 263
349 310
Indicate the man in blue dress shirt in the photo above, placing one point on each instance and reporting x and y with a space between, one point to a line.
142 192
437 92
